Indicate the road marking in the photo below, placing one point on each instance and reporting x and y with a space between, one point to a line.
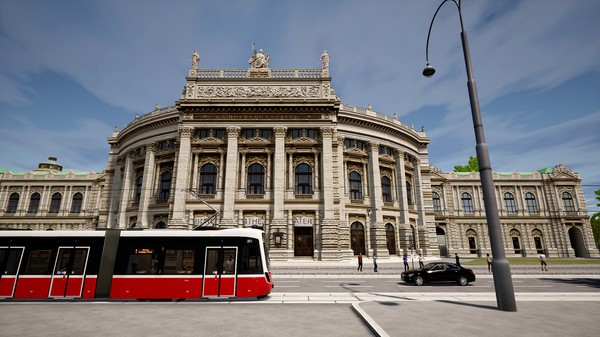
535 286
353 281
346 286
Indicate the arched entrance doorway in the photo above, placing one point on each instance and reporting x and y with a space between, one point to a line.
441 237
577 243
357 238
391 238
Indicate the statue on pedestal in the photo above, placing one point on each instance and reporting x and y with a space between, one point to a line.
195 60
259 59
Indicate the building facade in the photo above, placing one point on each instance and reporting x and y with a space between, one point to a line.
278 150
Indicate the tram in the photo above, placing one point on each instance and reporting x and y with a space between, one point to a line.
135 264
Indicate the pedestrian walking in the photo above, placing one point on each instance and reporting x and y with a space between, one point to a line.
543 262
359 262
489 262
421 259
457 259
405 260
375 262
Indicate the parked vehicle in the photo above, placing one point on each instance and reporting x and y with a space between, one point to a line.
439 272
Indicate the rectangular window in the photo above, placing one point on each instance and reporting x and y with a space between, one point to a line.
179 261
39 262
142 261
472 245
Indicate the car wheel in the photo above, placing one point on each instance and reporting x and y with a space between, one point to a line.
462 281
418 281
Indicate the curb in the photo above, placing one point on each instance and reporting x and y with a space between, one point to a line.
373 326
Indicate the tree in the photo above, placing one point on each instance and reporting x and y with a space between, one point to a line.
595 221
472 166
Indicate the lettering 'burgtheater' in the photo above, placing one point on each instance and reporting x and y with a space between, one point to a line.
278 150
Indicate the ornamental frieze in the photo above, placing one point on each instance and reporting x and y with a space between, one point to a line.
262 91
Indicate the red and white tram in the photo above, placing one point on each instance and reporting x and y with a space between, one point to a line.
156 264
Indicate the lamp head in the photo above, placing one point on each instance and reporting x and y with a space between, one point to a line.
428 71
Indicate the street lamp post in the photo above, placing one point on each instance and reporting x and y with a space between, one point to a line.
505 295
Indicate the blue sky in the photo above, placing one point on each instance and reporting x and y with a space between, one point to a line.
70 71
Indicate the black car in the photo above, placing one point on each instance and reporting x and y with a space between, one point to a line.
439 272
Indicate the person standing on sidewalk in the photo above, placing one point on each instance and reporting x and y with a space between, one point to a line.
543 262
405 260
375 261
359 262
489 262
421 259
457 259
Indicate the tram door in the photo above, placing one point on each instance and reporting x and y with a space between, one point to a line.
10 261
69 272
220 269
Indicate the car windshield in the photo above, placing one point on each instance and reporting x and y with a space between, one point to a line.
429 266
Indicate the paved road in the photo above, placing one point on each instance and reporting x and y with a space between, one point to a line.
391 283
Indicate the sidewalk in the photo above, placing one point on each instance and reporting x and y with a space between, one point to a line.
480 318
394 265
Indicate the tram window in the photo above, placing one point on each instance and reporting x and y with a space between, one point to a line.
180 261
251 263
39 262
12 263
142 261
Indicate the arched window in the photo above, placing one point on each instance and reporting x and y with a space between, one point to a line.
55 203
208 179
355 186
509 203
165 186
34 203
568 201
76 202
303 179
467 203
386 189
409 193
532 207
437 203
161 225
256 178
138 189
13 203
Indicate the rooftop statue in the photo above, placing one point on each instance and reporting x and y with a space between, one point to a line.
259 59
195 59
325 63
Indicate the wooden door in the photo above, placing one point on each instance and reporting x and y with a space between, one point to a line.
303 241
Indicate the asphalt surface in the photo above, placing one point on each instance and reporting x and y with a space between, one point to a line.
346 314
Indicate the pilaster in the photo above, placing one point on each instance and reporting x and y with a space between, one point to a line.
178 218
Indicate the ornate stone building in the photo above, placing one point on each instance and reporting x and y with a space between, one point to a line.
541 212
277 150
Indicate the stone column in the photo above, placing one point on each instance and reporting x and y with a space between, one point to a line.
279 173
344 227
316 179
423 199
178 218
291 183
243 172
379 238
113 193
196 174
278 222
126 191
147 187
329 227
230 177
401 178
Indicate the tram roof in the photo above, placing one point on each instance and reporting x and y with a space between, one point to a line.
230 232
